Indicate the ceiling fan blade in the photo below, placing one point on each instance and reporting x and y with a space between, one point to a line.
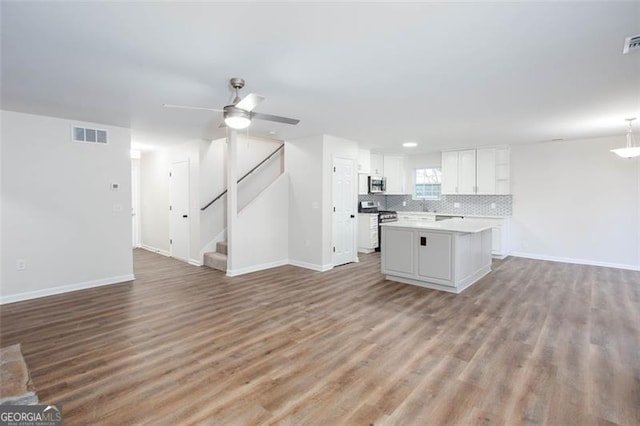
275 118
190 107
249 102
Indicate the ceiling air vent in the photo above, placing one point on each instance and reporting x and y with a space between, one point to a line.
631 44
85 134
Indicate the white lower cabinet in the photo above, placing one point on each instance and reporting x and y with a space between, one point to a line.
435 257
441 260
417 216
500 238
399 262
367 232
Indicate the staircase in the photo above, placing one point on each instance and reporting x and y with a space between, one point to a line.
217 259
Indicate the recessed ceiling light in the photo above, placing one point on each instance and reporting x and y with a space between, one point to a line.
410 144
272 132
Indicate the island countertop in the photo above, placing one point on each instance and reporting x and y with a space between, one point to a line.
472 226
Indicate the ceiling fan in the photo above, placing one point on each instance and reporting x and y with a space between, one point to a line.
239 113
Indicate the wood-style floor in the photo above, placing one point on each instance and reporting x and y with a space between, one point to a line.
532 343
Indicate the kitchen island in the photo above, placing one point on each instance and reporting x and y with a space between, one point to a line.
449 255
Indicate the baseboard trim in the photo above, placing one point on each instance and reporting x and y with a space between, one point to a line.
65 289
312 266
256 268
194 262
575 261
155 250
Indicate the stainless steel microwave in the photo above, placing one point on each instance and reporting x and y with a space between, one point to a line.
377 184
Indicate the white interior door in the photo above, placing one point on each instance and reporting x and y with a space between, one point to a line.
179 210
344 215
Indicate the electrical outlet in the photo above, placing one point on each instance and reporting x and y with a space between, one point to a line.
456 205
493 205
21 265
404 204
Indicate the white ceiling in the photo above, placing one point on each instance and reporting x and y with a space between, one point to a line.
445 75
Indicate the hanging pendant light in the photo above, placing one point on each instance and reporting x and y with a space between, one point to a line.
632 149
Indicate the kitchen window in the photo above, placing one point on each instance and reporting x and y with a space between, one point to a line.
428 183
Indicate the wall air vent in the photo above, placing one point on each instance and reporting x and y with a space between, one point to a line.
85 134
631 44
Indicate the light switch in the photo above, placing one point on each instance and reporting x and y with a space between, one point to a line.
117 207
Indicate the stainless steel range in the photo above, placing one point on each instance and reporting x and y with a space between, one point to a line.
385 216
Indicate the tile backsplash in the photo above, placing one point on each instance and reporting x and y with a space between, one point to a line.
480 205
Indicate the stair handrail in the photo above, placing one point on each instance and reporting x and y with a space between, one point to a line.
244 176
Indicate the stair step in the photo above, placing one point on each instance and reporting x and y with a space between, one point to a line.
221 247
216 260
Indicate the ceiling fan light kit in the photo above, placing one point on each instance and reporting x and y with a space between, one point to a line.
632 149
236 118
239 114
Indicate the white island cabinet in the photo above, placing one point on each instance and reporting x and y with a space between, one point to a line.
449 255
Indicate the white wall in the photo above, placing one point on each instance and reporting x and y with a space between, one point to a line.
303 163
213 180
135 201
309 162
155 198
576 201
262 239
58 212
207 178
251 151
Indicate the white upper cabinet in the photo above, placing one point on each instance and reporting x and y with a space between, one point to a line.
459 172
486 171
364 161
503 171
449 172
476 171
467 171
376 165
394 172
